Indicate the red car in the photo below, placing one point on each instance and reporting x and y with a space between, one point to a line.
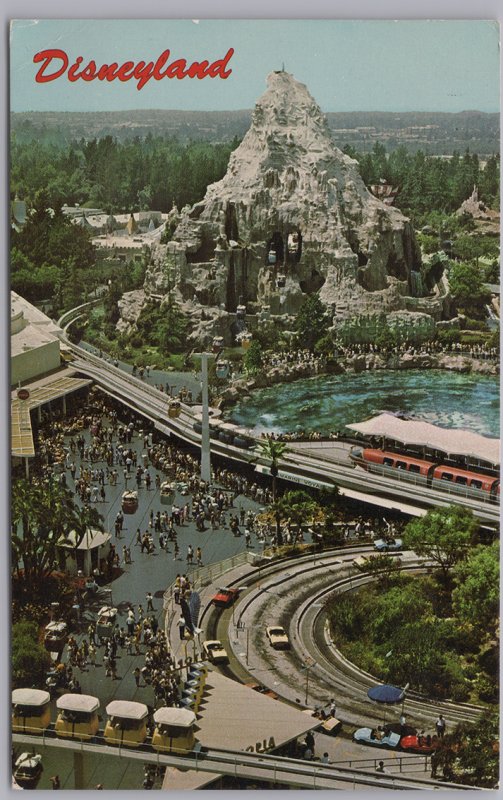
257 687
419 744
225 597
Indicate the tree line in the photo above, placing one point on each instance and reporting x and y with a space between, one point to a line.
426 183
142 174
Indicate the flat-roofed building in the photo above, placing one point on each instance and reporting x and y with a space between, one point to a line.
35 344
235 717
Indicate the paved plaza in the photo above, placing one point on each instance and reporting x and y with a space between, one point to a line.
147 573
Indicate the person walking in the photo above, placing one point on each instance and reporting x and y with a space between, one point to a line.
199 557
332 707
440 725
181 628
137 675
150 605
310 741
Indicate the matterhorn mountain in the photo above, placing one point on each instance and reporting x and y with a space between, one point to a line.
291 217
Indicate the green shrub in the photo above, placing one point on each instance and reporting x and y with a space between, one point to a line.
30 661
460 692
487 689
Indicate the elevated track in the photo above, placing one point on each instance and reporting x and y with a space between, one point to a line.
318 469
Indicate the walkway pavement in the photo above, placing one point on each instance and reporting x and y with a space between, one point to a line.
166 378
147 573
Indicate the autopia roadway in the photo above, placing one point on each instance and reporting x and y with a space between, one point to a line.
292 593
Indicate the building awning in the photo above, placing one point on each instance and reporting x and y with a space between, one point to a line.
41 392
293 478
235 715
22 444
453 442
52 388
90 541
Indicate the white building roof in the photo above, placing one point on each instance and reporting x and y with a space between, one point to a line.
454 442
32 314
235 717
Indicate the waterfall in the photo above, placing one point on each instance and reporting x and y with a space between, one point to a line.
416 284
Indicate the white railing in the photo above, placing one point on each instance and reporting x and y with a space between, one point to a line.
203 576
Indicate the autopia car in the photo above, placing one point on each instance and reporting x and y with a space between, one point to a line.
215 651
225 597
375 738
278 637
388 545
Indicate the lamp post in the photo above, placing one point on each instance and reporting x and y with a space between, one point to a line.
307 666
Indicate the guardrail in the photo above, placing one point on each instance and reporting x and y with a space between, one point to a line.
67 317
242 764
203 576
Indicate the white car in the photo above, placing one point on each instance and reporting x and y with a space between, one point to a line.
215 652
278 638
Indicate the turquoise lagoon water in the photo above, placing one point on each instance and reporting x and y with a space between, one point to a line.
327 403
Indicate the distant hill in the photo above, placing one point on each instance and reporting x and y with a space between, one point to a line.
435 133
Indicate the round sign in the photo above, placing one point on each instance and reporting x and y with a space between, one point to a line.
23 394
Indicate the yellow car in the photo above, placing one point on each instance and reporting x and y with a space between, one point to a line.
278 638
215 652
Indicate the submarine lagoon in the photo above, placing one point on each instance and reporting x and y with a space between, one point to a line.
327 403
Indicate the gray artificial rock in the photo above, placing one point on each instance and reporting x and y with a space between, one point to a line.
291 217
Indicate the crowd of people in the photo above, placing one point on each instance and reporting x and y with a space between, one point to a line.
294 360
476 351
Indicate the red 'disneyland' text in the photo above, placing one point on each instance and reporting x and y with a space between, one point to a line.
54 64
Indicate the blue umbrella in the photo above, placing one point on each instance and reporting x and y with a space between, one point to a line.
387 695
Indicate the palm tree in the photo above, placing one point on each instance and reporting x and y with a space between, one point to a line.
273 450
297 506
42 514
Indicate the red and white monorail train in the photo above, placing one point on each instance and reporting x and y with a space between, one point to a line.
433 474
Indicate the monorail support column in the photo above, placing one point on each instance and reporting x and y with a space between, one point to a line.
78 769
205 423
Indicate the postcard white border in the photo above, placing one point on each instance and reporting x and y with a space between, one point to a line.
160 9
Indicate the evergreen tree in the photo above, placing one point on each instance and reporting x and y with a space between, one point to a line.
311 322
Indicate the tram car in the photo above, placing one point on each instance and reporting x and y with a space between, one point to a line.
78 717
126 724
459 480
105 624
429 473
31 712
129 502
55 636
28 770
246 340
174 730
217 344
222 369
167 493
174 409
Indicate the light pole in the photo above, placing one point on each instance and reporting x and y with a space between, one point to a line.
307 666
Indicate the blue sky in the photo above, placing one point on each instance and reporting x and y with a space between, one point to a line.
347 65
